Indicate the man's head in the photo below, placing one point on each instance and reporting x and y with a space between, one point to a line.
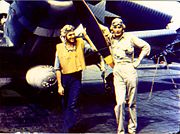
117 27
67 32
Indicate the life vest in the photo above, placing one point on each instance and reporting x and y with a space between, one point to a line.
71 61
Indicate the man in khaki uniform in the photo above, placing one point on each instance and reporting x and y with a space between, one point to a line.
125 74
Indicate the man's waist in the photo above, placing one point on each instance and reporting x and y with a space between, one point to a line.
123 62
73 73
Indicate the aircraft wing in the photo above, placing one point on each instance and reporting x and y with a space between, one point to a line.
135 16
153 33
158 39
142 21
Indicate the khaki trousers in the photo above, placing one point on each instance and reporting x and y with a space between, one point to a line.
125 82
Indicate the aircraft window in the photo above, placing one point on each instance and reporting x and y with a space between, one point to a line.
46 32
4 41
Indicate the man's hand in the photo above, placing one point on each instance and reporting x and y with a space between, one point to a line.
136 63
61 90
84 33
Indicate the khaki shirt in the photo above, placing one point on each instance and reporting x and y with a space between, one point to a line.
122 50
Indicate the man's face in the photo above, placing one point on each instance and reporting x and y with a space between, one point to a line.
117 30
71 37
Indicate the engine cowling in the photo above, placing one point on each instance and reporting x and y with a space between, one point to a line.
41 76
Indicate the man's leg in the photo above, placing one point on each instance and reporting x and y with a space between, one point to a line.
120 93
132 93
72 111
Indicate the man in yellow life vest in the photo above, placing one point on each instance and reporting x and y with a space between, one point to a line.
69 63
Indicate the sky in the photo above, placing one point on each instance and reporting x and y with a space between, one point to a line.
4 6
169 7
